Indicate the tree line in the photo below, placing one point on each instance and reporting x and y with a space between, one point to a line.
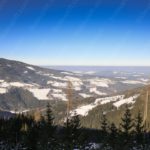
26 132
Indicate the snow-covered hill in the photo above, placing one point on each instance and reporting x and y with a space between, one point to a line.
43 84
116 101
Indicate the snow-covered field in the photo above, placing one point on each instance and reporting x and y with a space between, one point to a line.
85 95
118 101
14 84
19 112
101 82
59 84
130 100
108 99
60 96
133 82
144 79
3 90
67 73
89 84
31 68
41 94
58 78
83 110
94 90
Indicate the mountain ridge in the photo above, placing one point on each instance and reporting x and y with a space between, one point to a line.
25 87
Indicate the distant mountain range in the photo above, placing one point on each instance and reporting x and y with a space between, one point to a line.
25 87
104 69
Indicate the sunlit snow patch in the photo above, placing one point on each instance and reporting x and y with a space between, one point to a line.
59 84
41 94
31 68
130 100
90 72
60 96
3 90
108 99
25 72
83 110
84 95
19 84
101 82
67 73
133 82
1 81
144 80
73 79
94 90
19 112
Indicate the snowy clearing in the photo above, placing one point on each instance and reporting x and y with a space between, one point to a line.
132 82
94 90
14 84
8 65
73 79
90 72
59 84
57 90
67 73
115 72
25 72
108 99
144 80
31 68
41 94
83 110
50 82
19 112
4 84
121 77
118 101
101 82
130 100
58 78
84 95
19 84
77 88
60 96
3 90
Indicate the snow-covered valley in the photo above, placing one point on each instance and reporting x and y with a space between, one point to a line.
51 85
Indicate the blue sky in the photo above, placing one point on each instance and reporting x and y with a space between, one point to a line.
76 32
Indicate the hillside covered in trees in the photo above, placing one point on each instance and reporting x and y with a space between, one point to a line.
37 132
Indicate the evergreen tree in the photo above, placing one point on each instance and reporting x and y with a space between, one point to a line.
14 130
139 131
104 131
104 126
67 141
139 128
43 139
32 137
50 129
77 135
113 137
46 130
127 125
49 115
73 135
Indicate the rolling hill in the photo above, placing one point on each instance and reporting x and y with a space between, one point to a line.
25 87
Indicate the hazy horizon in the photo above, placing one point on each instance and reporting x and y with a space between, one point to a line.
101 69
